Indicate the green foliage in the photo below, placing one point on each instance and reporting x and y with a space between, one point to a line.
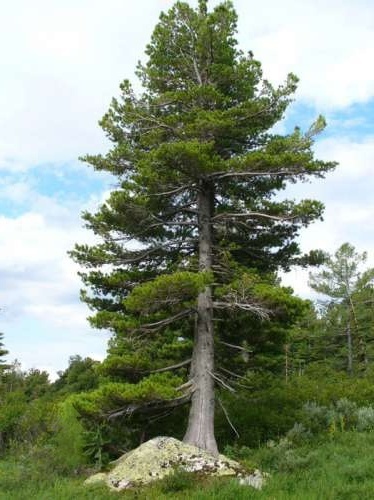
267 406
167 291
111 395
81 375
202 124
365 419
348 315
341 274
3 353
13 406
94 446
339 468
68 439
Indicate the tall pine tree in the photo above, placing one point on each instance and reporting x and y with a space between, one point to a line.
198 169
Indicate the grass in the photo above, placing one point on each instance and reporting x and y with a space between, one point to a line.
340 467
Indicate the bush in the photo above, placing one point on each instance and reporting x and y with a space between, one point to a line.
365 419
68 441
271 406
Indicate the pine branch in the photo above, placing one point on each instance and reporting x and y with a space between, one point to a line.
172 367
149 407
248 215
177 190
233 346
158 325
233 374
283 173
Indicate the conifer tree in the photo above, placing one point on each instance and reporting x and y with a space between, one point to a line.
349 307
3 353
198 168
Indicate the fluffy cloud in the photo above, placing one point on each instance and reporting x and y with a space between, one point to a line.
62 62
41 315
327 44
347 193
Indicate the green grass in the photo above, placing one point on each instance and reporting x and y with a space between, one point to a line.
340 467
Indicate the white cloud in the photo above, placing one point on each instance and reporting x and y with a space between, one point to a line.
41 314
355 157
349 209
327 44
62 62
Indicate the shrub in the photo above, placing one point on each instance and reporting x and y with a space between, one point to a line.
365 419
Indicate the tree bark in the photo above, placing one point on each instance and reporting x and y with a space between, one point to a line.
349 348
200 429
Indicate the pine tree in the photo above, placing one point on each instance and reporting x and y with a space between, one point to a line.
349 307
3 353
198 169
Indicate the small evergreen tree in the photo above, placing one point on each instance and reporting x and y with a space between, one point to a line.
349 307
198 169
3 354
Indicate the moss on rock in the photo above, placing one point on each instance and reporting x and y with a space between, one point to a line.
160 457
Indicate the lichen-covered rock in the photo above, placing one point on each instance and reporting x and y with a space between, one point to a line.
159 457
96 478
256 479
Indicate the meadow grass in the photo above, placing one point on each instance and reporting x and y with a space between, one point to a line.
337 467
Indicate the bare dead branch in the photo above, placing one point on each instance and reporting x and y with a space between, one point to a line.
233 346
197 72
244 306
227 417
190 384
220 381
233 374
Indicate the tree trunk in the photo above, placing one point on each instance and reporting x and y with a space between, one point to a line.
286 361
362 350
200 429
349 348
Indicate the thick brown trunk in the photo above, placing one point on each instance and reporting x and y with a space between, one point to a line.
200 429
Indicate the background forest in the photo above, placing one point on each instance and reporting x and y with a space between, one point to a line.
301 409
204 334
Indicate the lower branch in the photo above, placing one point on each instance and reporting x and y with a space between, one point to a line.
220 381
172 367
149 407
158 325
254 308
234 346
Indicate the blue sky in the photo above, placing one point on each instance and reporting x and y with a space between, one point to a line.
62 62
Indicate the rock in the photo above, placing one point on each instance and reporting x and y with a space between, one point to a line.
96 478
256 479
160 457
